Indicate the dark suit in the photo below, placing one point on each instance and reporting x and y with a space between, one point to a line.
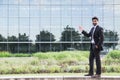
95 52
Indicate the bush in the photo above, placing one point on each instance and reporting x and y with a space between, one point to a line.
112 69
21 55
54 69
5 54
42 55
69 61
61 56
112 58
77 69
115 54
55 62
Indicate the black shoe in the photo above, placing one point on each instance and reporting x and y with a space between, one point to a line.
96 76
88 75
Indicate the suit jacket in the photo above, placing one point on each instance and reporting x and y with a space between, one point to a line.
98 36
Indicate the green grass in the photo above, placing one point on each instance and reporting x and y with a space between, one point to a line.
55 62
115 54
8 54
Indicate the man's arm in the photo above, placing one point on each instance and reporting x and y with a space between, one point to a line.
101 37
84 32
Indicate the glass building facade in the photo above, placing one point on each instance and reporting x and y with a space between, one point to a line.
34 25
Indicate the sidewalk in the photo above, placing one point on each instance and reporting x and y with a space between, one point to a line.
58 78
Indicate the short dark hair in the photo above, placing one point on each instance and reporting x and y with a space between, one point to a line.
95 18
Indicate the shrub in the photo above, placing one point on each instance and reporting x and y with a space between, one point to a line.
115 54
42 55
5 54
54 69
21 55
55 62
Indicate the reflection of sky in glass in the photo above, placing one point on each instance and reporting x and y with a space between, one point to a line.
32 16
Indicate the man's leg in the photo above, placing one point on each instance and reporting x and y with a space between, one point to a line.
98 62
91 62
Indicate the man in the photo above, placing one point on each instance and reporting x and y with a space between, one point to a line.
96 34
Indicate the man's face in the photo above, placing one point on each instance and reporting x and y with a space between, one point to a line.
95 22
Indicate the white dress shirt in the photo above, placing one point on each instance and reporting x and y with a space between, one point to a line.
92 37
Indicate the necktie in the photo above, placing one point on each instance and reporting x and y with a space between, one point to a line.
93 35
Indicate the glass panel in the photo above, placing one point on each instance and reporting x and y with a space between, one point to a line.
13 11
24 11
4 27
34 27
3 2
24 2
117 2
34 11
14 2
29 17
108 1
55 11
77 2
13 27
45 11
4 11
24 26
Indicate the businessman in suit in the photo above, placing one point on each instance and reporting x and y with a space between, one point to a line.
96 34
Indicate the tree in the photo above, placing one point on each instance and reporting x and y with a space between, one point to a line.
85 46
68 35
12 47
111 36
44 36
19 47
3 46
25 47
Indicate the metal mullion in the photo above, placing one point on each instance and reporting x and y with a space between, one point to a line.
29 28
8 27
60 42
18 25
39 25
61 4
50 22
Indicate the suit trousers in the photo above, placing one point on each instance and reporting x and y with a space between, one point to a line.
94 54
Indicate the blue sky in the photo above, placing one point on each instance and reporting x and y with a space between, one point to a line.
36 15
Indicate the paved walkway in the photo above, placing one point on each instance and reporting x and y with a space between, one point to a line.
58 78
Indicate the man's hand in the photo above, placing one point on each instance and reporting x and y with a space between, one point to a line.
96 46
81 28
